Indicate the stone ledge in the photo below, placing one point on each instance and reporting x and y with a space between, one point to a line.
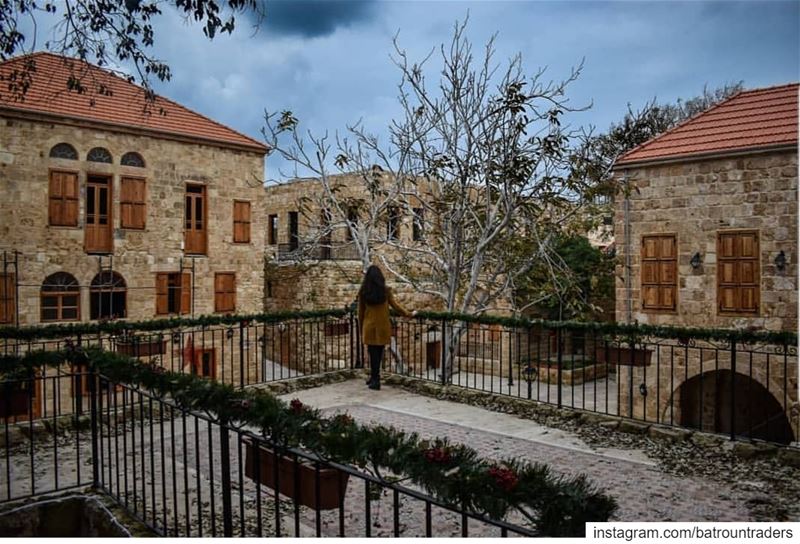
554 416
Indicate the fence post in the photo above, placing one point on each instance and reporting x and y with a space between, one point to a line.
733 389
559 360
225 488
353 344
241 353
93 377
444 352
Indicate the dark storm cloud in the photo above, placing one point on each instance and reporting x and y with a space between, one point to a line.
314 18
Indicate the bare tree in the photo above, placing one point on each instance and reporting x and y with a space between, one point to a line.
479 160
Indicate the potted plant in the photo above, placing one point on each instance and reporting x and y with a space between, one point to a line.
625 354
297 479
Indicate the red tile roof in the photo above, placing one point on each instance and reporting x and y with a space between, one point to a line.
760 118
125 109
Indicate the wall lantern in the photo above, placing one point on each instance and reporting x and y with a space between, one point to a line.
696 261
780 261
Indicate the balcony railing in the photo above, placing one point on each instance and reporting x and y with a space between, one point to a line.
185 473
290 252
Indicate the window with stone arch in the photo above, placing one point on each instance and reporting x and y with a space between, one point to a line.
108 296
63 151
60 298
99 154
131 158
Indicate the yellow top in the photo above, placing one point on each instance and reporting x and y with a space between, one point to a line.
376 330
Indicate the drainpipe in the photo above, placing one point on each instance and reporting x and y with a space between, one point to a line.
626 210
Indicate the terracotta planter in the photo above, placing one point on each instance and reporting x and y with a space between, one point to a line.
589 373
332 482
337 329
142 348
623 356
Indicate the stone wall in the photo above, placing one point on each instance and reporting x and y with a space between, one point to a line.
695 200
138 254
331 283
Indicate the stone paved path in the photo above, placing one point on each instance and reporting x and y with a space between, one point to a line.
644 492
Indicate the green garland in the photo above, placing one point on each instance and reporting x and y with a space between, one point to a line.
452 473
122 327
630 331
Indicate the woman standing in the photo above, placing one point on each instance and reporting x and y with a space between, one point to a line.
374 299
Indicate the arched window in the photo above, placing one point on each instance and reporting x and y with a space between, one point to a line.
131 158
60 298
63 151
108 296
99 154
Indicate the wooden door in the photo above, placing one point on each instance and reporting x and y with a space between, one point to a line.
195 220
98 231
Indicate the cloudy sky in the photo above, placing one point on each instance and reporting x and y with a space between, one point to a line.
329 60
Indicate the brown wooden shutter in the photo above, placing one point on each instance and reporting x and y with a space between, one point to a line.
738 273
224 292
7 298
162 294
132 203
186 293
659 272
63 199
241 221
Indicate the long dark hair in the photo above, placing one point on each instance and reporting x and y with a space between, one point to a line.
373 288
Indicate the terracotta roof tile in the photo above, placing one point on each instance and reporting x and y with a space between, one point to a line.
750 119
124 108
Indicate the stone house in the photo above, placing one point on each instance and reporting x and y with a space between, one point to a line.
119 207
706 233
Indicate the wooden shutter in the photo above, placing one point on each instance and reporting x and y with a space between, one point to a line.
7 298
132 203
738 273
659 272
63 199
186 293
224 292
162 294
241 221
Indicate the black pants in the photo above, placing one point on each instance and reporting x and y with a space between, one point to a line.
375 358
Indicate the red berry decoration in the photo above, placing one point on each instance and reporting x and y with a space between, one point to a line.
504 477
344 419
245 404
296 406
437 455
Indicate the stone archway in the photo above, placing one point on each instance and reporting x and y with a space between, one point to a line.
715 400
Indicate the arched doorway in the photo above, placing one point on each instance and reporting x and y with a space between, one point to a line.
719 400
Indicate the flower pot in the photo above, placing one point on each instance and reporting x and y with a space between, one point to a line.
623 356
332 482
142 347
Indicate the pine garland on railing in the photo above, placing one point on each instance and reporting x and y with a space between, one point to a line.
630 332
121 327
626 332
452 473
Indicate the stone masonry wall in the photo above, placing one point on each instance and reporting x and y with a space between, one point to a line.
138 255
696 200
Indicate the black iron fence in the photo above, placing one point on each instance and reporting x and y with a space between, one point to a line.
738 384
317 252
185 473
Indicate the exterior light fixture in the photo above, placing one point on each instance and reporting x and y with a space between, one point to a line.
643 390
780 261
695 261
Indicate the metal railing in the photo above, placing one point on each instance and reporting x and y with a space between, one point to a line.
185 473
742 389
316 252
